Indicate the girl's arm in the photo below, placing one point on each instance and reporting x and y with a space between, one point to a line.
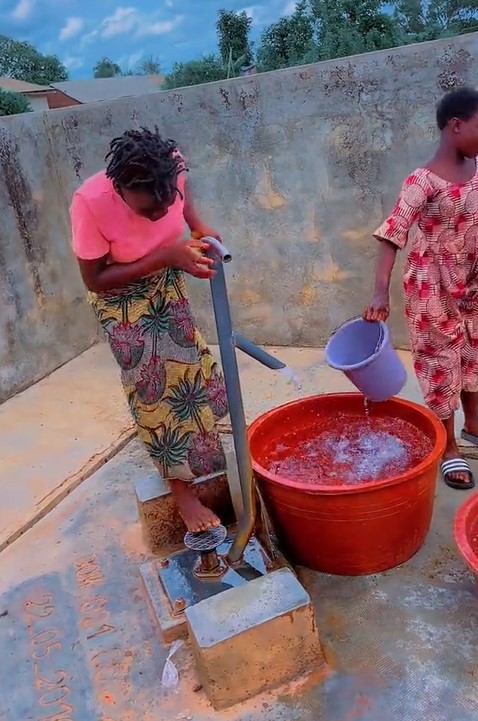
379 308
92 252
99 276
393 236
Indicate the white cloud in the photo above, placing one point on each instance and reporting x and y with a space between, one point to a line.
134 59
128 20
290 7
251 11
73 62
160 28
89 37
123 20
72 27
23 10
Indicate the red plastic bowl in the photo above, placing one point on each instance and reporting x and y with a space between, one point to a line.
466 530
348 530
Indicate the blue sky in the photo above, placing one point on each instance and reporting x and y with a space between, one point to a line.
127 31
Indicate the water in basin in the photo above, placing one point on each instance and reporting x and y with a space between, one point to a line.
351 450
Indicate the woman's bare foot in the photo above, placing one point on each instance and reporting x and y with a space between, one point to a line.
196 516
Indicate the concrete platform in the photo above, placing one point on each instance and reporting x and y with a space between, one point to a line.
254 638
55 434
399 646
74 420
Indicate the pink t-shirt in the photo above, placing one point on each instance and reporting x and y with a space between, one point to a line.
103 224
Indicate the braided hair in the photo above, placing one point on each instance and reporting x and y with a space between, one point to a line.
140 160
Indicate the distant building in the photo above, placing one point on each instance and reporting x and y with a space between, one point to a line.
40 97
79 92
100 89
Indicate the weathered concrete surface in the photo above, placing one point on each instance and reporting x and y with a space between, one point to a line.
254 638
296 168
399 646
44 318
55 434
72 421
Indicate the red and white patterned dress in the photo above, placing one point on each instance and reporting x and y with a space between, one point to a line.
440 283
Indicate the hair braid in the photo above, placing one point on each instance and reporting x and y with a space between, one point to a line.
141 160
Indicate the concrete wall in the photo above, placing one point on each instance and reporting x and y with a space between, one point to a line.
38 102
296 168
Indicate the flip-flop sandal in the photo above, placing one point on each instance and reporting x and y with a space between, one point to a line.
453 466
470 438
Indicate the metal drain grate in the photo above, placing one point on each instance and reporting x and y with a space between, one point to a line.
205 541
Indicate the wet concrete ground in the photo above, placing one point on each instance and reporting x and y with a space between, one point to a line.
79 642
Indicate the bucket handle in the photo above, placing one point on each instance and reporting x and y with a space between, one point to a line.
355 317
359 317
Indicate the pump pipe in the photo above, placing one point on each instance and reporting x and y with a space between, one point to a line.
227 346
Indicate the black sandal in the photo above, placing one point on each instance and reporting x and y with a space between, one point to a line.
453 466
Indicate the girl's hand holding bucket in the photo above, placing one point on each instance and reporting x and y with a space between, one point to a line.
378 310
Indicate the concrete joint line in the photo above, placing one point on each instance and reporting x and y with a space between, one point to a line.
52 499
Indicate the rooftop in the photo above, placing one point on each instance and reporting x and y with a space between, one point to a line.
97 89
20 86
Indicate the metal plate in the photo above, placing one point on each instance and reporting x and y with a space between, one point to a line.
183 589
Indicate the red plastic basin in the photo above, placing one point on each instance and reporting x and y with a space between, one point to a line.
466 533
348 530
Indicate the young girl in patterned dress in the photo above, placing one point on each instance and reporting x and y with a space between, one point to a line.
440 203
128 226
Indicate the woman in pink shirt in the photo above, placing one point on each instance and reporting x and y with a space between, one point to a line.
128 225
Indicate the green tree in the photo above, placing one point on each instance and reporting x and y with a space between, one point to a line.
13 103
205 70
289 41
349 27
22 61
149 66
420 20
235 48
106 68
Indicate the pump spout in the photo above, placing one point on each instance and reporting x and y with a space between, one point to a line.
252 350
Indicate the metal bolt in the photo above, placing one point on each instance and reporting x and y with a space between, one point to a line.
179 604
164 562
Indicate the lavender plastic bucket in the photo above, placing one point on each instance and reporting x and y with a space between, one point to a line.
364 353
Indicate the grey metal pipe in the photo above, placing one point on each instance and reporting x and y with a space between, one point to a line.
252 350
218 248
236 409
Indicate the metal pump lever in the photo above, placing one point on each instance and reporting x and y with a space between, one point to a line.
228 341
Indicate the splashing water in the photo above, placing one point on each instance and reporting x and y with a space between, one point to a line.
350 453
292 377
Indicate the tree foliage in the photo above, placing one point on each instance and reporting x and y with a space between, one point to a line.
324 30
289 40
106 68
13 103
148 66
350 27
420 20
235 51
233 30
205 70
20 60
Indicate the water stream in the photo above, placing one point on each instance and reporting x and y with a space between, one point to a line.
292 377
